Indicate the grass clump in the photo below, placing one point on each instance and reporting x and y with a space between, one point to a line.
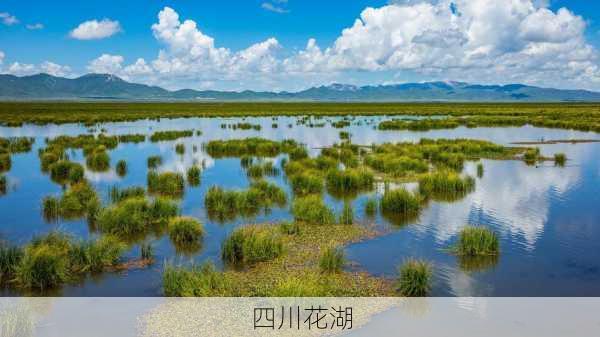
204 281
96 256
477 241
54 259
258 170
154 162
349 180
401 202
306 183
5 162
290 227
3 184
180 148
332 260
415 278
64 171
532 156
160 136
98 160
371 207
185 230
251 244
258 147
312 210
10 257
228 204
193 175
167 183
121 168
560 159
117 194
135 217
446 185
77 201
480 170
347 215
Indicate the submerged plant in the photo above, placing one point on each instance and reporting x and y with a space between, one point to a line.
415 278
477 241
332 260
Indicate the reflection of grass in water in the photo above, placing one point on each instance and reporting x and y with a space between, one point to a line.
480 170
477 263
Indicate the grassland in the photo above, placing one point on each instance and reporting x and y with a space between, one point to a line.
581 116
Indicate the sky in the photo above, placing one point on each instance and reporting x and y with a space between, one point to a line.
291 45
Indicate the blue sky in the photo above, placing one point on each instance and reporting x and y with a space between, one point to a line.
398 41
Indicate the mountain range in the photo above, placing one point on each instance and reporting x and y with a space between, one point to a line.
111 87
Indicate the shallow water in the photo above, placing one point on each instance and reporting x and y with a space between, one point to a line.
546 217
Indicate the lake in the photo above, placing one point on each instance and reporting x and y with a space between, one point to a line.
547 217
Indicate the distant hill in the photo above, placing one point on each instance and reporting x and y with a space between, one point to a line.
110 87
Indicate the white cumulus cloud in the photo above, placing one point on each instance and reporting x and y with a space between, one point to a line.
482 41
54 69
106 64
94 29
